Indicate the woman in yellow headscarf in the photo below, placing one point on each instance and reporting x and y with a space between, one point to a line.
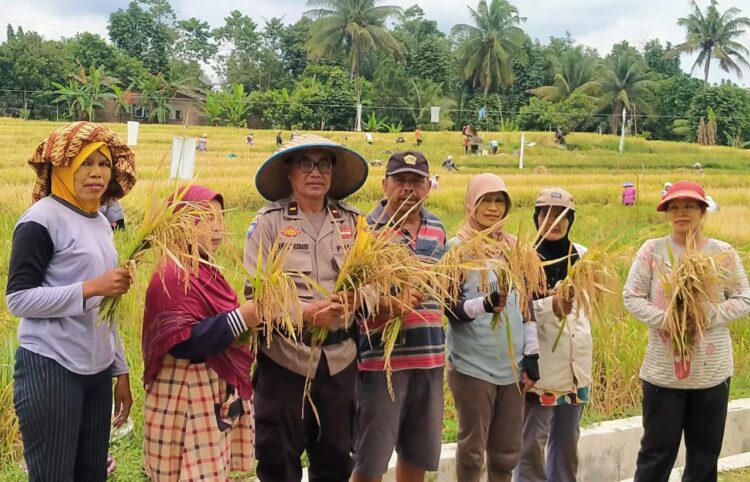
63 261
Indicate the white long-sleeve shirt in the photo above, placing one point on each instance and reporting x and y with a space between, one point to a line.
712 361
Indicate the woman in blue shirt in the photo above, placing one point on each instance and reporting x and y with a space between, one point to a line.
481 374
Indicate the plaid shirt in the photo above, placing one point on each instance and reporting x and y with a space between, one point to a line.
422 340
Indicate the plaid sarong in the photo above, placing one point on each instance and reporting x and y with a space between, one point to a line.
195 426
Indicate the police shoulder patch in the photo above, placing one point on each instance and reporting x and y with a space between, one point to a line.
251 229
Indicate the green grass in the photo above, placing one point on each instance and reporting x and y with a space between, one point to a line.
735 476
592 170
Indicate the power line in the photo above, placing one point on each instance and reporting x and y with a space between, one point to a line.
365 107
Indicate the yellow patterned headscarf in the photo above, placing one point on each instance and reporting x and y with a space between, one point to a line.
65 144
62 177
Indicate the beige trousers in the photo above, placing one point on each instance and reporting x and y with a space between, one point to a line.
490 419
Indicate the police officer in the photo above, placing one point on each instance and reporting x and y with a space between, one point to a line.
305 182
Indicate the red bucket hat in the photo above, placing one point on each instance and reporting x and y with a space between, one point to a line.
683 190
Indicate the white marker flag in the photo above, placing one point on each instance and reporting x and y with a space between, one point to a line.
183 158
434 114
358 120
133 133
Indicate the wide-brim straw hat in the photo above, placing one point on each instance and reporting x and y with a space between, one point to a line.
627 184
349 171
683 190
64 143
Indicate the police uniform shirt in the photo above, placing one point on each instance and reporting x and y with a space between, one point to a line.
317 254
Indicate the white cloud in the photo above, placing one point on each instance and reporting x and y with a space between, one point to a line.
596 23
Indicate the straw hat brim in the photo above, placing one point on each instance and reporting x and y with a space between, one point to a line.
349 172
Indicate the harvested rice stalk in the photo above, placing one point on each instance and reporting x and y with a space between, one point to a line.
588 281
694 282
390 336
169 230
527 269
275 297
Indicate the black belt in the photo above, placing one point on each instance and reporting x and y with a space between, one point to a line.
333 338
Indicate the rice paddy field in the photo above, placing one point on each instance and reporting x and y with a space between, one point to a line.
591 168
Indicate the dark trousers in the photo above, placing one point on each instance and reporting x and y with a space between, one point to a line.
282 433
64 419
667 414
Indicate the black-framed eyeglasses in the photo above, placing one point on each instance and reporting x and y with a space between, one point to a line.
324 167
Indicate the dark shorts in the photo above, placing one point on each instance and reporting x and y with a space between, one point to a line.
412 423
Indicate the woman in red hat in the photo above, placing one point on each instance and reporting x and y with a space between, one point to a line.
683 395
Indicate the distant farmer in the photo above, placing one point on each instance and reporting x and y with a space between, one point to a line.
279 140
493 146
202 144
418 135
368 137
62 262
467 132
305 183
628 194
400 140
448 164
250 139
114 214
412 423
560 135
667 185
435 182
713 206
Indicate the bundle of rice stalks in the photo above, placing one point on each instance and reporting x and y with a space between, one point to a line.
275 297
481 254
168 230
527 269
694 282
375 267
589 280
484 254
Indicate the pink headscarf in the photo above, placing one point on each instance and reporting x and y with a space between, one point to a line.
479 186
171 311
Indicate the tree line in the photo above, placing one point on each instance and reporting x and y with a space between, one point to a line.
396 63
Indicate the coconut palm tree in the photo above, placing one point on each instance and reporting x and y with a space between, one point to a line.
575 70
627 83
713 36
488 47
355 27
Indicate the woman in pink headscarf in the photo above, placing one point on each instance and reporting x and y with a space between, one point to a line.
197 413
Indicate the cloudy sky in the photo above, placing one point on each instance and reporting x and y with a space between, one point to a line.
597 23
